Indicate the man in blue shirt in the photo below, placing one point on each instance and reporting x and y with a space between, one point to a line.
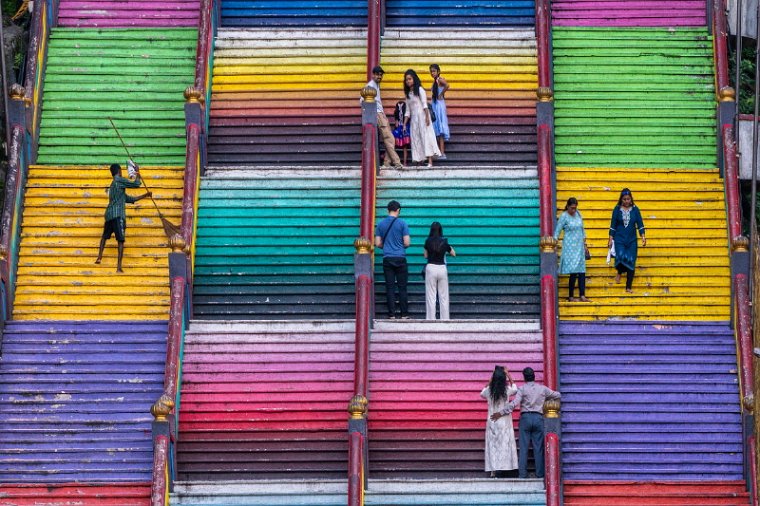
392 236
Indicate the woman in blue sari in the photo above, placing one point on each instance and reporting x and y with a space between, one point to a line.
626 220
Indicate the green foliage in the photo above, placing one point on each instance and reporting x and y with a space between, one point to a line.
747 93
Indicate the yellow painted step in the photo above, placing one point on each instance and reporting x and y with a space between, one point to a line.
683 273
60 232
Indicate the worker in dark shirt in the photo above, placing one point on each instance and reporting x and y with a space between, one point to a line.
116 212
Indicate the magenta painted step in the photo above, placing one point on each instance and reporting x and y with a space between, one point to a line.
620 13
649 401
75 400
128 14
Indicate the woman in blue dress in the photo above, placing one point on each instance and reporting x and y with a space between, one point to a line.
626 220
441 123
573 259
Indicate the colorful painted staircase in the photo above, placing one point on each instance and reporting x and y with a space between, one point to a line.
60 233
276 245
265 400
287 96
490 218
492 101
75 401
134 76
683 273
278 13
117 13
634 97
426 417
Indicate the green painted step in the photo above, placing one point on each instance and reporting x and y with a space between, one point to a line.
634 97
276 246
490 218
135 76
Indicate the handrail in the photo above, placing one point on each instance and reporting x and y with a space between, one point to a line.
720 44
373 35
44 18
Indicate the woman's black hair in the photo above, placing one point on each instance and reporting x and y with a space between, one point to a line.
498 384
624 192
416 84
434 90
572 201
436 230
439 245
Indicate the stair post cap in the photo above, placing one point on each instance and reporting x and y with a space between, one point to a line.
177 243
369 93
17 92
548 244
3 252
551 408
727 94
545 94
749 403
162 408
193 95
740 243
357 407
363 245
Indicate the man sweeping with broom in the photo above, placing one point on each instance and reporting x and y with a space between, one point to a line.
116 212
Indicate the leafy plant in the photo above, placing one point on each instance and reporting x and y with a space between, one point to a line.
747 92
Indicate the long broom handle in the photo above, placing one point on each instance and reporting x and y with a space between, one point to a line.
124 144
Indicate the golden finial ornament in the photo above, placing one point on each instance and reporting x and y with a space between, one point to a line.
726 94
749 403
545 94
3 253
177 243
193 95
17 92
357 408
162 408
363 246
740 243
548 244
551 408
369 93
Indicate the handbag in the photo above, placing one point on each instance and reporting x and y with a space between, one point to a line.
432 113
587 253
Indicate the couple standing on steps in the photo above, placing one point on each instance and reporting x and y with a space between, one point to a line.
392 236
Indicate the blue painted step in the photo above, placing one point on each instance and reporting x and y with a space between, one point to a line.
294 13
649 401
75 400
454 13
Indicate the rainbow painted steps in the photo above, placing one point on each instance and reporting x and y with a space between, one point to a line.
60 233
624 13
305 13
287 97
427 416
451 13
490 217
120 14
634 97
265 400
276 244
75 402
683 273
135 76
492 101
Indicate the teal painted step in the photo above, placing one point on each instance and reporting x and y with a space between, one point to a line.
634 97
136 76
490 218
276 246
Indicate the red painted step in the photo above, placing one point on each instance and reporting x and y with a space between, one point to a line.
76 494
662 493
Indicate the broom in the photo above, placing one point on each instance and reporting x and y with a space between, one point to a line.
170 229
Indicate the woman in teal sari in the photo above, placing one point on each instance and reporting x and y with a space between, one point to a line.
626 220
573 259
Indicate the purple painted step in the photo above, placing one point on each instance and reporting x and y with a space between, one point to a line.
131 14
649 401
75 400
620 13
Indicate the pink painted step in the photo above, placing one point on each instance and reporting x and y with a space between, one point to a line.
128 14
620 13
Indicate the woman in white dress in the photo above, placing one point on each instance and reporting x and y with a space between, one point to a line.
424 144
501 449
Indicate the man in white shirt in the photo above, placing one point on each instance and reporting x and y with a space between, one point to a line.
382 122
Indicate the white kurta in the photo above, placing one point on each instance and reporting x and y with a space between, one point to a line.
501 449
424 143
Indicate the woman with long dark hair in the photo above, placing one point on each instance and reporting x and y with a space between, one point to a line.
501 449
626 220
424 144
573 259
436 273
